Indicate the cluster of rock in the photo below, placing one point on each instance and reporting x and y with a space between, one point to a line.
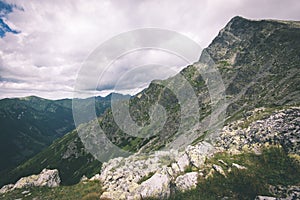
282 127
47 178
282 193
158 174
140 176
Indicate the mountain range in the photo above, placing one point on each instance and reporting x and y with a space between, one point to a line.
258 61
30 124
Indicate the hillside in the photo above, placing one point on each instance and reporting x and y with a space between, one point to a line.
254 158
31 124
259 65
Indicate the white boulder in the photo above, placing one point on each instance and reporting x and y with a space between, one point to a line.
157 186
187 181
48 178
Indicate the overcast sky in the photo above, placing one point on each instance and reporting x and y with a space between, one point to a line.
44 43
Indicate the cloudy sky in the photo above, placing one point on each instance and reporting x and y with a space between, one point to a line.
43 44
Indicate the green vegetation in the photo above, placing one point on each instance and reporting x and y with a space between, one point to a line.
82 191
188 169
66 154
264 73
272 167
29 125
200 139
224 63
258 115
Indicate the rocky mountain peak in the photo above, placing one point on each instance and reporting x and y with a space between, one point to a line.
241 33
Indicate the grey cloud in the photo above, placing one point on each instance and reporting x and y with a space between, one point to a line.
57 36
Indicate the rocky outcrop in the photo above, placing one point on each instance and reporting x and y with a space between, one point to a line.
182 163
140 176
156 175
238 166
219 169
130 178
186 181
47 178
281 127
158 186
282 193
286 192
198 154
6 188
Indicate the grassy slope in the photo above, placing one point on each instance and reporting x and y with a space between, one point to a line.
71 169
49 120
28 125
273 167
81 191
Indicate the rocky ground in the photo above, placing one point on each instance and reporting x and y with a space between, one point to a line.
47 178
124 178
158 174
282 128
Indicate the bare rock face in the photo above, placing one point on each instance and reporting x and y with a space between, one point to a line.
47 178
28 181
130 178
6 188
282 193
238 166
219 169
187 181
157 186
183 162
285 192
198 154
281 127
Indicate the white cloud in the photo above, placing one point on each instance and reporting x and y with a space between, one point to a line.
56 36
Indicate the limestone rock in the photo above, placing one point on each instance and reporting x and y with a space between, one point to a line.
121 177
175 168
265 198
183 162
28 181
198 154
187 181
113 195
96 177
157 186
219 169
238 166
6 188
281 127
223 163
48 178
84 179
285 192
